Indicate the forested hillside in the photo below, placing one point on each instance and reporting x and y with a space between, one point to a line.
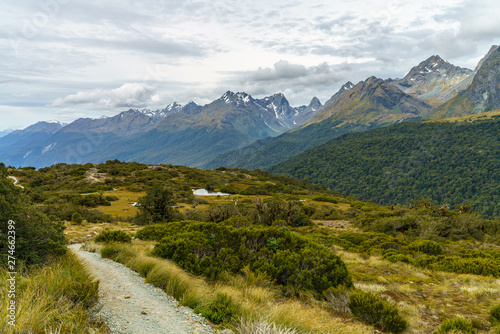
449 162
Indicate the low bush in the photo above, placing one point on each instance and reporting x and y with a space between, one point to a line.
325 199
113 236
222 310
153 232
459 265
91 201
427 247
457 324
290 259
375 311
495 314
77 218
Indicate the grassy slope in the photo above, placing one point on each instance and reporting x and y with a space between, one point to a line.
424 296
52 299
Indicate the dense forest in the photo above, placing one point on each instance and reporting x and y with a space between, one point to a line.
449 162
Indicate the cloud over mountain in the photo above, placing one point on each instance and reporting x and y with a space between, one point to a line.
128 95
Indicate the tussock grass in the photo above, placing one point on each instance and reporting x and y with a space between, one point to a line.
312 318
424 297
252 303
371 287
52 299
245 326
91 246
480 291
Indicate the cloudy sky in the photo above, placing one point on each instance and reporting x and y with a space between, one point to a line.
66 59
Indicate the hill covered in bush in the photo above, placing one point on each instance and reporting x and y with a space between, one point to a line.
449 162
274 244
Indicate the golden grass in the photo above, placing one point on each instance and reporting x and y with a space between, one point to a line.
374 288
45 300
88 231
470 118
123 206
425 298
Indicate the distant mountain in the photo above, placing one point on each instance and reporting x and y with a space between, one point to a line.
369 104
124 124
190 134
197 134
5 132
482 95
451 162
434 80
19 145
345 87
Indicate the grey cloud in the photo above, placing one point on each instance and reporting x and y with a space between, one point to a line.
478 28
128 95
282 70
166 48
343 23
448 44
298 81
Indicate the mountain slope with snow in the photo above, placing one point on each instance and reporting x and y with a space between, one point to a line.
190 134
435 81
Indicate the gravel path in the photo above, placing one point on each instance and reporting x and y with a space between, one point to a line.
129 305
16 181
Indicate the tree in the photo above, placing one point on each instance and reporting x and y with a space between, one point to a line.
157 204
37 238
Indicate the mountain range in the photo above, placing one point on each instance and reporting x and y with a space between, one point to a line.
376 103
186 135
238 130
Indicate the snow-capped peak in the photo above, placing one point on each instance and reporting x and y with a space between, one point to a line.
173 107
239 98
149 113
347 86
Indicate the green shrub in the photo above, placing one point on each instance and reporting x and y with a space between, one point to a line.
366 306
113 236
457 324
77 218
153 232
495 314
325 199
90 201
290 259
396 256
392 321
157 203
37 238
375 311
427 247
222 310
455 264
300 220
